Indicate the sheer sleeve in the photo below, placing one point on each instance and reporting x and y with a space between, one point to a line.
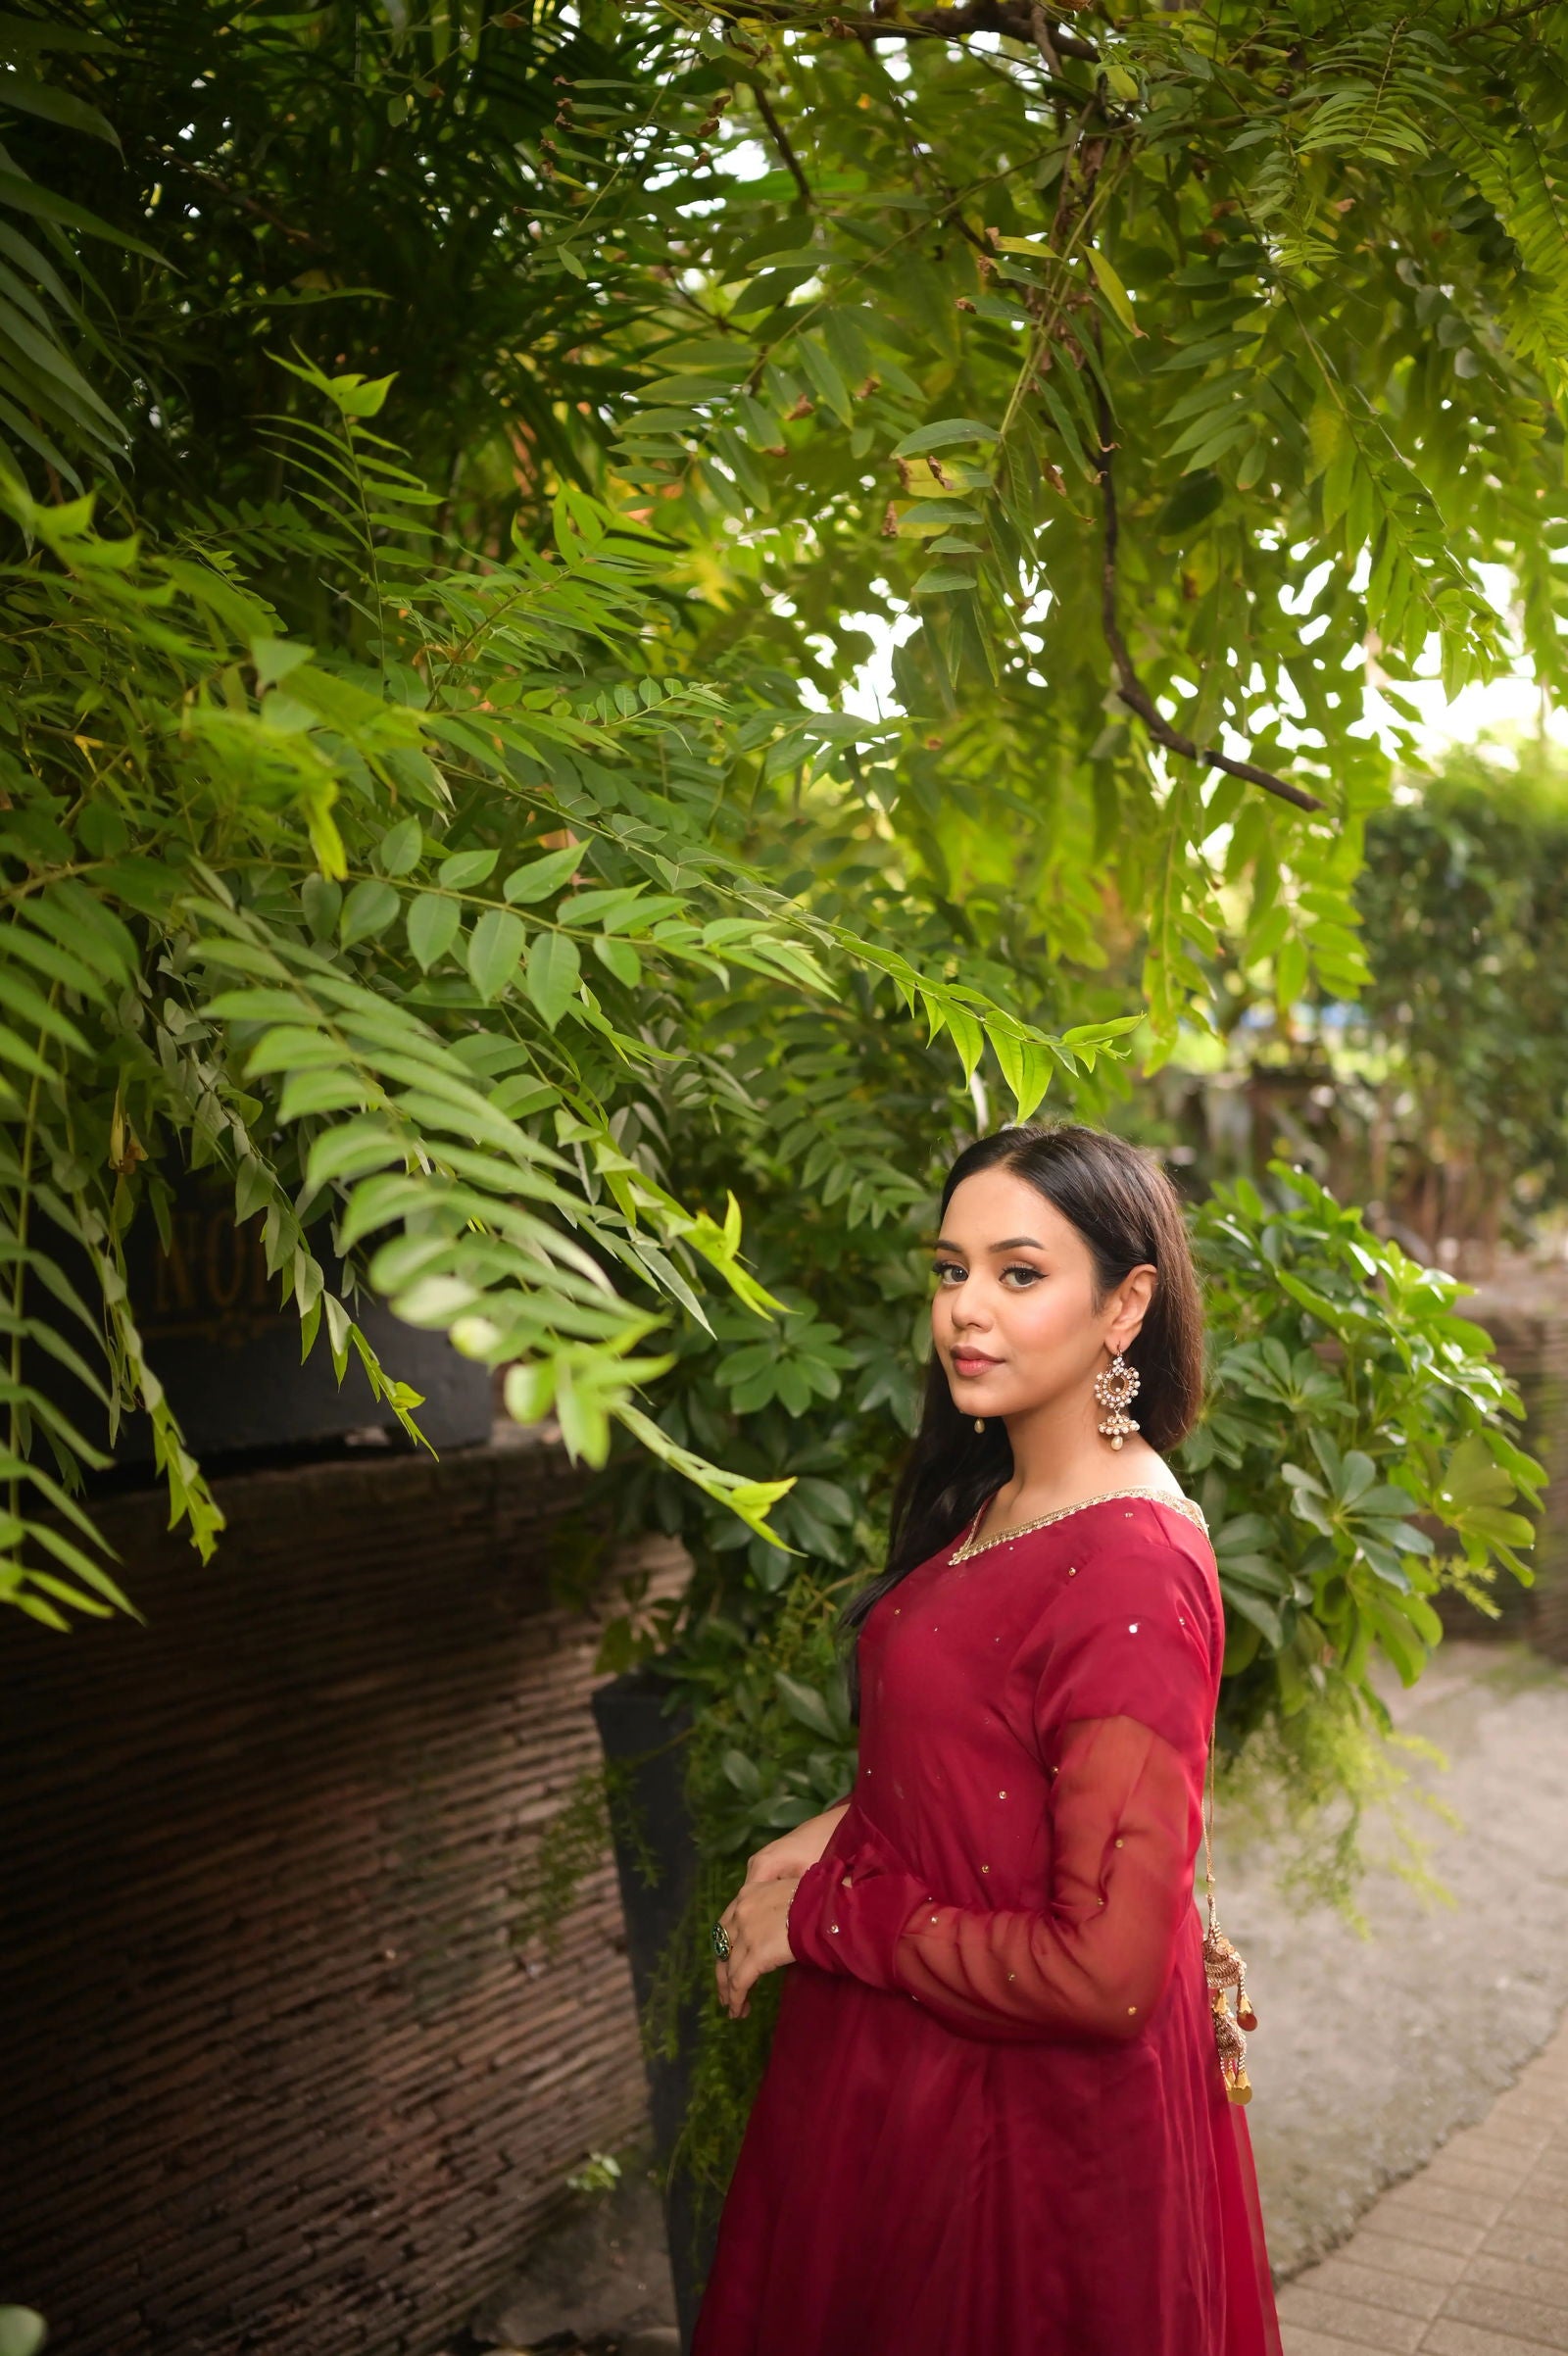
1125 1666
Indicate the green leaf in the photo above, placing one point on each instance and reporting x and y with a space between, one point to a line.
620 958
943 435
325 1090
554 970
495 948
322 902
29 96
23 2331
432 926
1115 292
400 849
805 1703
369 910
743 1772
466 868
544 876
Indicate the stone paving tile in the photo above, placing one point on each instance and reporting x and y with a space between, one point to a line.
1483 2177
1443 2234
1355 2319
1433 2198
1302 2342
1391 2253
1361 2279
1464 2339
1531 2278
1530 2247
1469 2257
1508 2311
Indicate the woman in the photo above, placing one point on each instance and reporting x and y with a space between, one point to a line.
993 2121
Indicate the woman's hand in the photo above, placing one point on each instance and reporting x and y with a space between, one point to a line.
755 1919
787 1858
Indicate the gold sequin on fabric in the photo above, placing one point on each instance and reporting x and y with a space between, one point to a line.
1154 1497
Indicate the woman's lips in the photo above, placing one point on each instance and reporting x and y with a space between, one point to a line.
972 1361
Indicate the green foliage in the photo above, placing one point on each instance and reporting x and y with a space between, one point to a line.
1324 1795
600 2173
1453 1065
391 933
1397 1416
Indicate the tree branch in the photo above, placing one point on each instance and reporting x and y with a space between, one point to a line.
1504 16
1131 689
1012 17
781 140
238 196
1043 41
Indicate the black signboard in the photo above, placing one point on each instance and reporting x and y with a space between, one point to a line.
226 1348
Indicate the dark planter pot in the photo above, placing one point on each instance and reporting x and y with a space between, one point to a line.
635 1732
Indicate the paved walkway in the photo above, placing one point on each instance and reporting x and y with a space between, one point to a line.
1469 2257
1373 2052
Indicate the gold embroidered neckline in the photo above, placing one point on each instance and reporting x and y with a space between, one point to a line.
1158 1496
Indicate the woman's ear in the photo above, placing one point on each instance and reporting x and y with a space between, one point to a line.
1130 1306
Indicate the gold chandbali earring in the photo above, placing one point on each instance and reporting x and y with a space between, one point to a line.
1224 1970
1114 1386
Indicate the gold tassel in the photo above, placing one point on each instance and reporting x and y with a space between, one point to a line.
1224 1970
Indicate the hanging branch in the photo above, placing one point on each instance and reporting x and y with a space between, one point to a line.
781 140
1014 18
1131 689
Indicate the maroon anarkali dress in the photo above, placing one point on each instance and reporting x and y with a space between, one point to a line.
993 2121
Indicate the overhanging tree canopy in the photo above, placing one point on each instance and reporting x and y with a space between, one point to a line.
433 800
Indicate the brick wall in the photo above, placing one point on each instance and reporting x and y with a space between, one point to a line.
277 2078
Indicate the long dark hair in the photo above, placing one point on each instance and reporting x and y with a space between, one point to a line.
1129 1214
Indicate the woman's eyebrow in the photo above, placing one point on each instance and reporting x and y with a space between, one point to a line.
1012 1244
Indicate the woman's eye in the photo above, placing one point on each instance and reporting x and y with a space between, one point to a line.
1030 1276
942 1269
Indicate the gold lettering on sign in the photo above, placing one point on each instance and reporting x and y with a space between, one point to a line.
210 1282
223 1263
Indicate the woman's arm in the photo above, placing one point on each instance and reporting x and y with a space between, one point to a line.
756 1917
1093 1962
1125 1662
787 1858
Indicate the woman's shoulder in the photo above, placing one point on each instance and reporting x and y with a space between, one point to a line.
1147 1533
1136 1624
1148 1558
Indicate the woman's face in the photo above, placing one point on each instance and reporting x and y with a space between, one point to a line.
1014 1319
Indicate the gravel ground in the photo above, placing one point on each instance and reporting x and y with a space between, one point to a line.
1372 2051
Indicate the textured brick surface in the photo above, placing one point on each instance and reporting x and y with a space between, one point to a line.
1469 2258
278 2077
